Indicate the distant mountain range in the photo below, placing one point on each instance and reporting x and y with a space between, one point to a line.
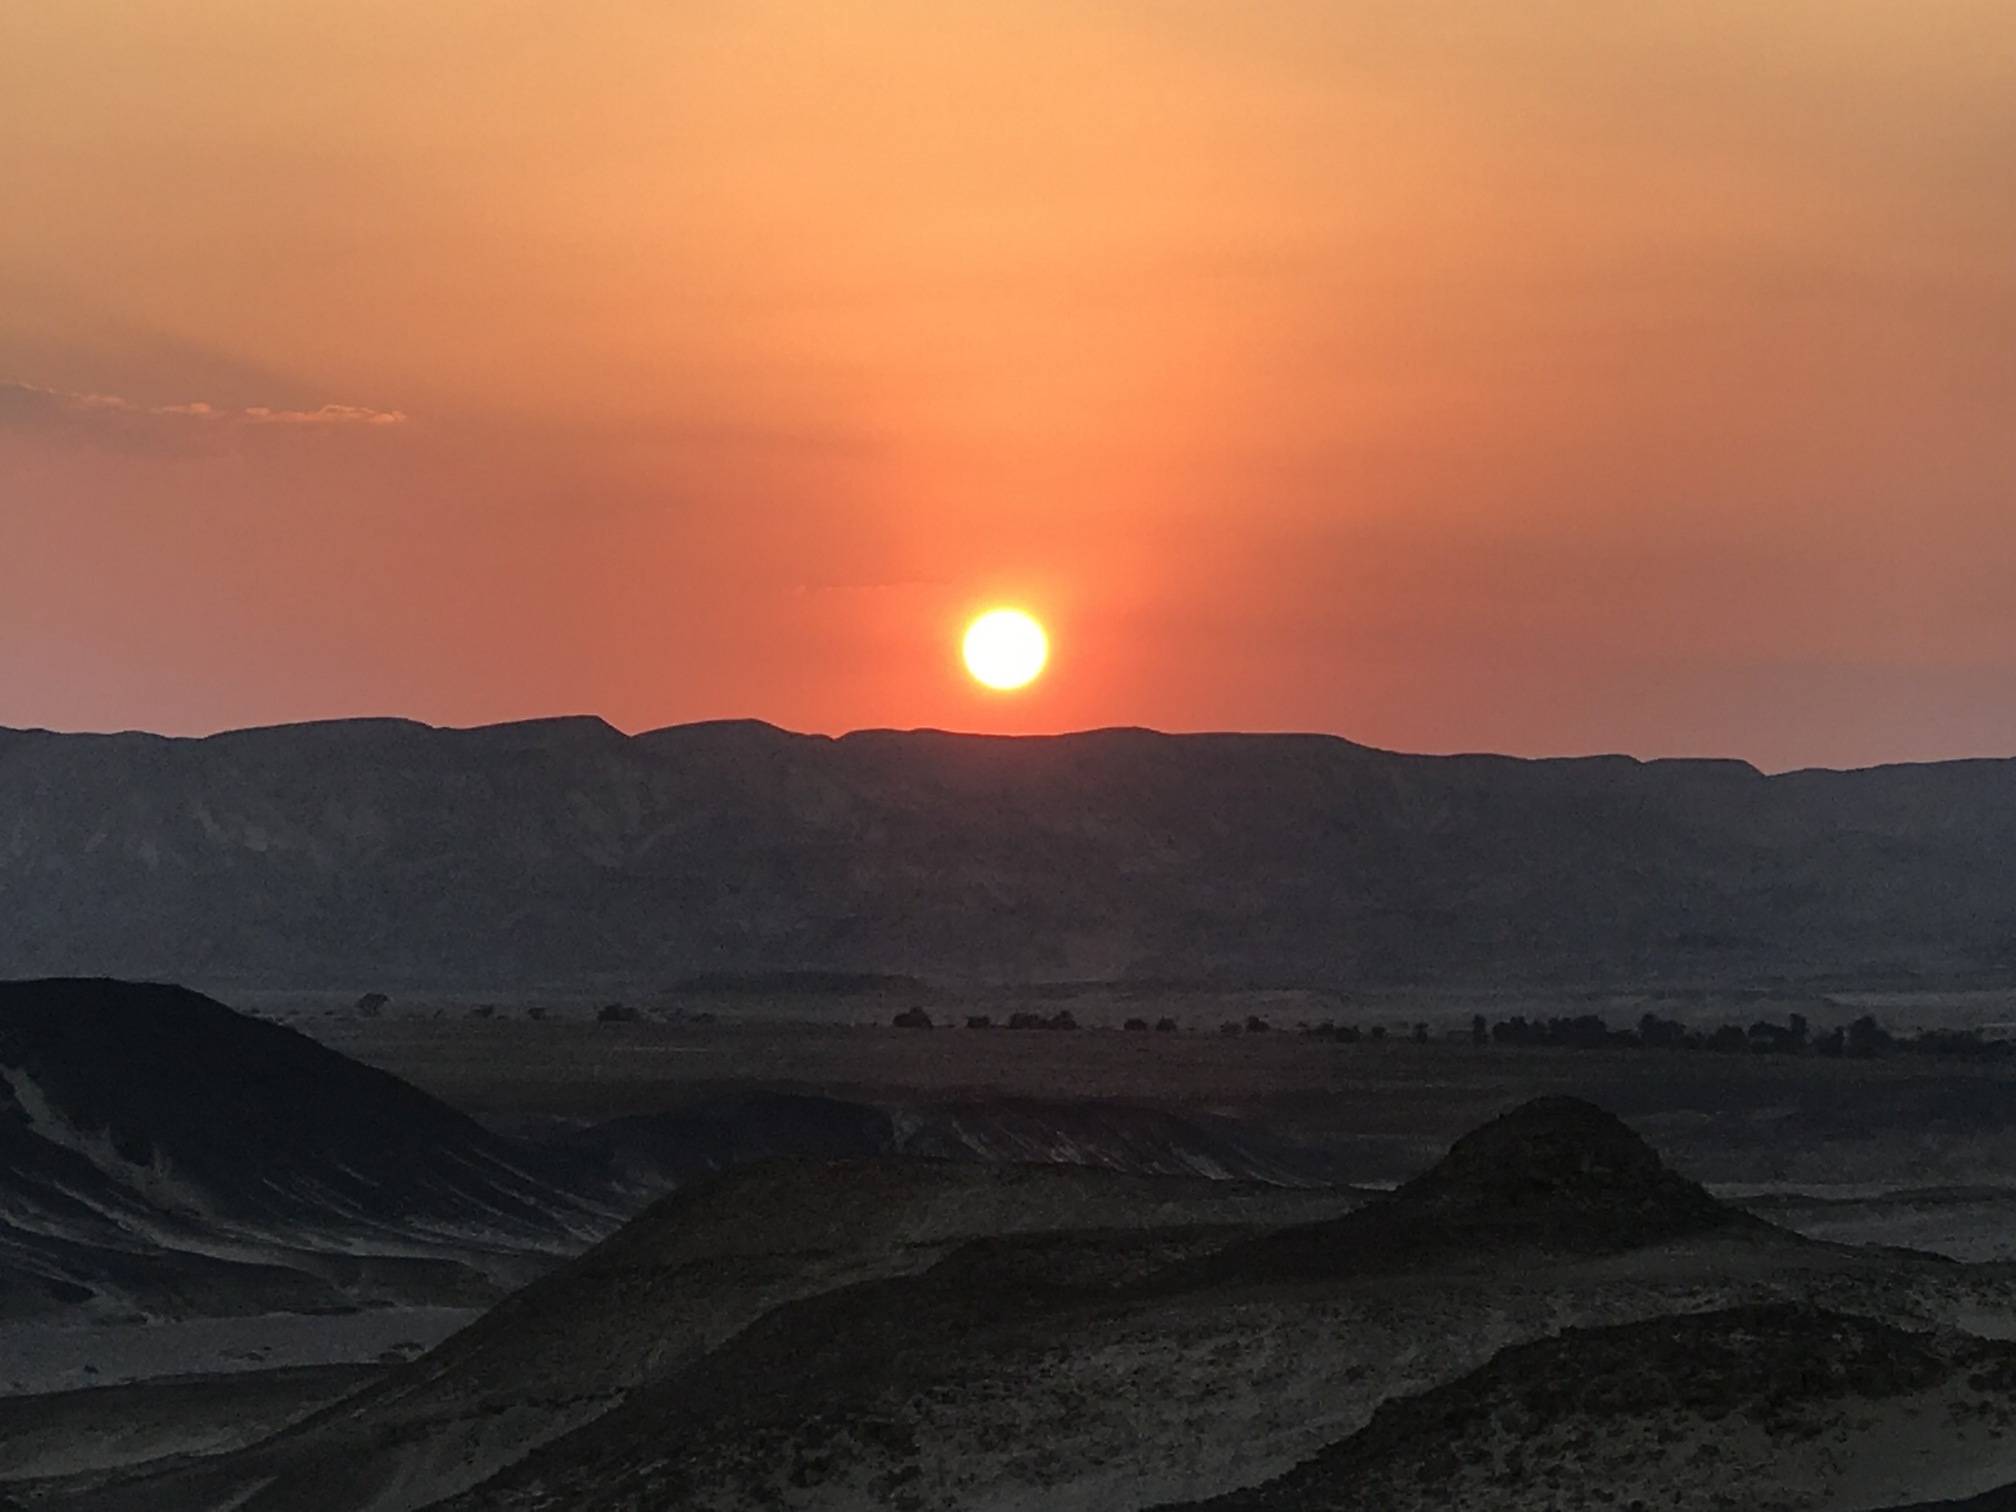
390 855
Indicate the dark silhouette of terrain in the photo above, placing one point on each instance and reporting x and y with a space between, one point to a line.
847 1306
992 1368
2002 1499
1564 1170
261 1121
689 1277
1555 1177
384 854
1516 1328
651 1152
1619 1416
161 1152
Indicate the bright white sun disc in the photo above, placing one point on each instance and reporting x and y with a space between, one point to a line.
1006 648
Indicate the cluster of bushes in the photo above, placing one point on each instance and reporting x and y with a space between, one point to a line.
1589 1031
1351 1034
917 1018
1860 1039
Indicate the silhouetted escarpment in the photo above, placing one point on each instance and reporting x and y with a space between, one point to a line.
384 854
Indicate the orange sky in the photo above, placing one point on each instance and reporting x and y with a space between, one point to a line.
1447 374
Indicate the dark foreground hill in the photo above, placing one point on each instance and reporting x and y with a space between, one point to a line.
670 1290
1554 1178
865 1335
381 853
164 1157
1777 1408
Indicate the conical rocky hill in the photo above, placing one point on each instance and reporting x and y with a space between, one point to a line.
1570 1167
1557 1175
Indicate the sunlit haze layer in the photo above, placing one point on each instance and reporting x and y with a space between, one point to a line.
1447 374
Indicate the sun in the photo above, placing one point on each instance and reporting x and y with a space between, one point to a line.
1005 649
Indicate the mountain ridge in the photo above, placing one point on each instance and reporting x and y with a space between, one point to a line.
340 856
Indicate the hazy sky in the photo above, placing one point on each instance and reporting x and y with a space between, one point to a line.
1449 374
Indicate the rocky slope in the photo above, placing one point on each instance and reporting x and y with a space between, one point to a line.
380 853
657 1151
666 1292
1773 1409
912 1335
1118 1371
1553 1178
163 1156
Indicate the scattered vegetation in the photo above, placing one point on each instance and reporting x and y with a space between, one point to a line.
917 1018
1063 1018
1862 1038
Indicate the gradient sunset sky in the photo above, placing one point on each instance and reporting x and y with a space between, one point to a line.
1551 377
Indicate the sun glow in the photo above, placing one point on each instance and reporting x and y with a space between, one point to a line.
1005 649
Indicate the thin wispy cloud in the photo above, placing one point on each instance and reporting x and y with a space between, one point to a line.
31 405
